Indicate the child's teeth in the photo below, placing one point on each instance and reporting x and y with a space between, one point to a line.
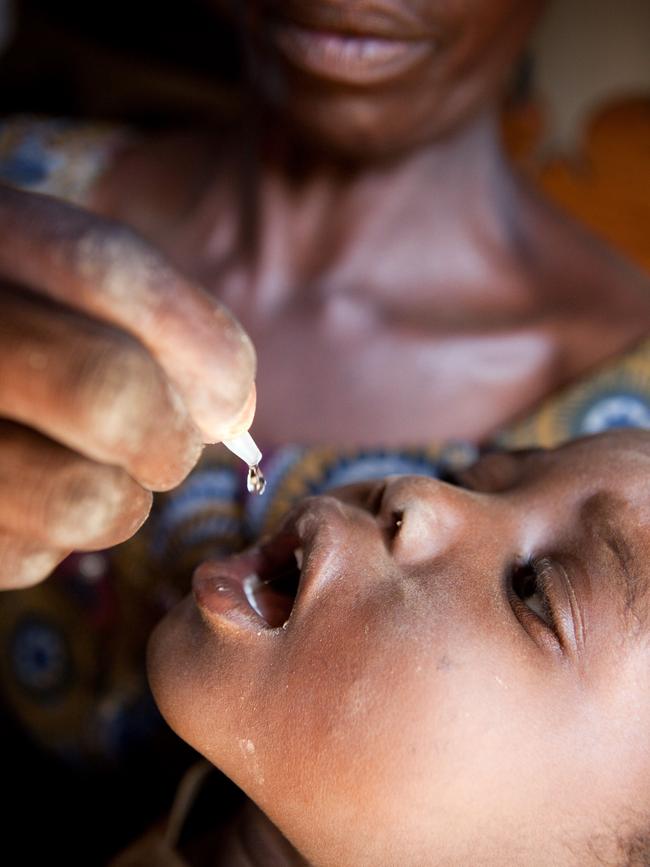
298 555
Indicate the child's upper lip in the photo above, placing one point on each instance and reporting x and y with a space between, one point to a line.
316 526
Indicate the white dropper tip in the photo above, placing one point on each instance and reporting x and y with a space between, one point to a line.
244 447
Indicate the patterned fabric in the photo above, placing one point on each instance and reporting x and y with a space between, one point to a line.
59 157
615 396
72 649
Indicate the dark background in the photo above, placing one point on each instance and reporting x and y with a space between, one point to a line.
154 64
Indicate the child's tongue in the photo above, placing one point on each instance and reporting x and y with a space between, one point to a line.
273 599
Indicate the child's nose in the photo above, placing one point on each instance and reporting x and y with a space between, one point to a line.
425 517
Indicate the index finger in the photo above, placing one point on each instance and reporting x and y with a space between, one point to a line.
106 270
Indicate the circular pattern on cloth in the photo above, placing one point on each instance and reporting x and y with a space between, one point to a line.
71 647
618 396
40 657
616 410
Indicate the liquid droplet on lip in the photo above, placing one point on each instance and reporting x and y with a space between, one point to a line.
255 482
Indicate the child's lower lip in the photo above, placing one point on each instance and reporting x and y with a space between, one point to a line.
348 59
220 590
256 588
268 585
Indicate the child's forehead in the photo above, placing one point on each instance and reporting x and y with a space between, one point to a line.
618 524
621 456
616 471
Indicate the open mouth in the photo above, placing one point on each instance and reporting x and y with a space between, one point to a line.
259 586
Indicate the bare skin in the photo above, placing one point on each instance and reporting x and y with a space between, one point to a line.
461 677
399 282
376 224
115 370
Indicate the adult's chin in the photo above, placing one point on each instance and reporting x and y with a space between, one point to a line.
351 127
370 126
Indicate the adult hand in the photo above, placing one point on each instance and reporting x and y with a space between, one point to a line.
114 370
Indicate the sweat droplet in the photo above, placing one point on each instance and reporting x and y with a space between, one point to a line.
255 482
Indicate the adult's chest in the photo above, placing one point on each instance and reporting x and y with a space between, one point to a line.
346 371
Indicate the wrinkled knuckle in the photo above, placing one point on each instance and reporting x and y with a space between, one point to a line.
22 568
113 260
81 507
95 505
33 568
119 392
97 241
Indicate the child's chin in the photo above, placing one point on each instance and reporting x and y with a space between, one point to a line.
194 669
173 663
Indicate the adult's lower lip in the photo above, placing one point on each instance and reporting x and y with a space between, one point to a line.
348 58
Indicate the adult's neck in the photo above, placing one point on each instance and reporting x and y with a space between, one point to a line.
335 224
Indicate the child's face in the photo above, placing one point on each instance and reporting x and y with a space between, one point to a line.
429 700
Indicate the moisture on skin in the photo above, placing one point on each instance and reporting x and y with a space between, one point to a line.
417 707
